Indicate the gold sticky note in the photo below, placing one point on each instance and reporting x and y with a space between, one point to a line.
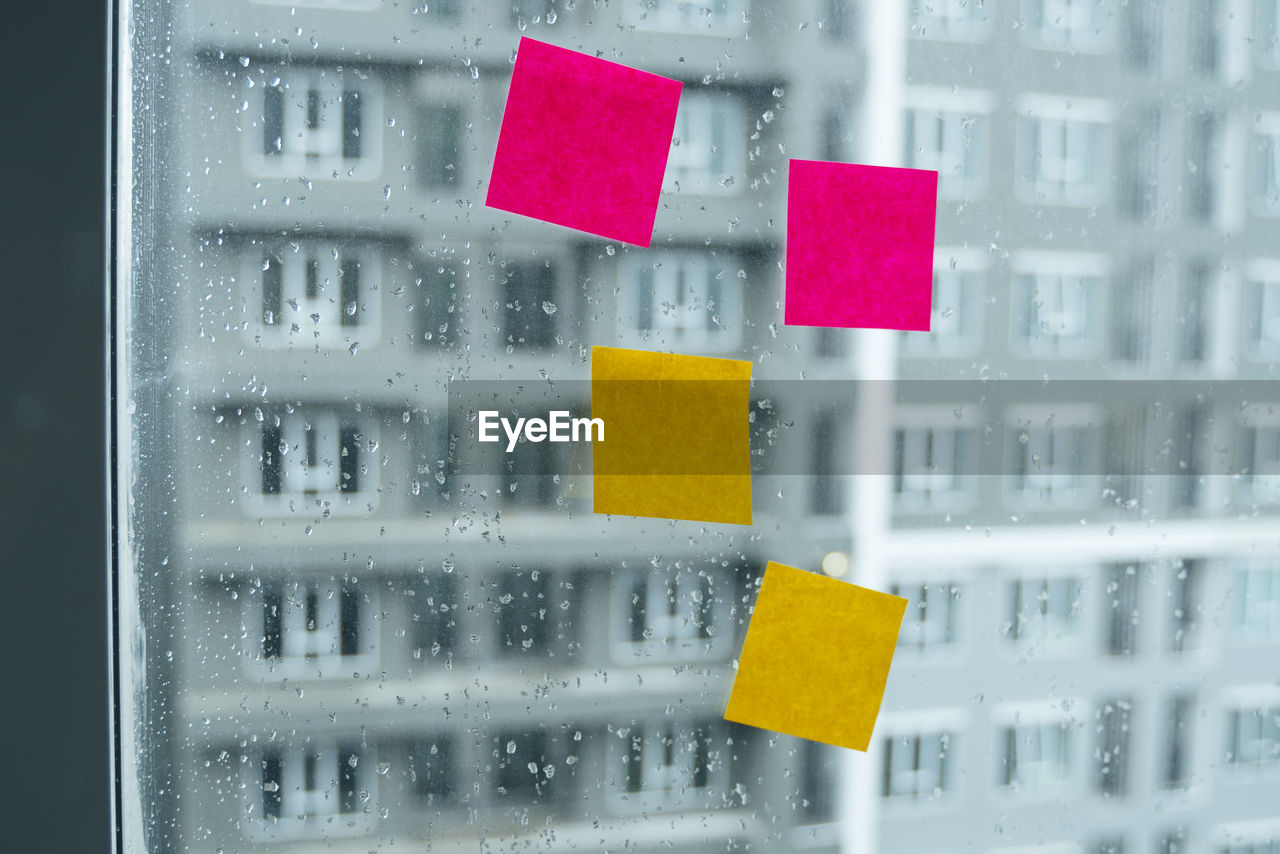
816 657
676 442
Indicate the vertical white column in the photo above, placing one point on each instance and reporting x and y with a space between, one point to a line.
874 364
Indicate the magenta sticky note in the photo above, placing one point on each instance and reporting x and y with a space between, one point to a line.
859 245
584 143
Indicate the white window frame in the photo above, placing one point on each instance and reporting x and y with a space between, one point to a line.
936 485
662 784
311 490
1044 722
1255 594
313 322
956 313
672 636
1060 624
950 20
1056 304
679 303
311 153
959 122
689 17
1262 278
310 653
1083 26
1070 162
312 813
1052 482
1264 171
691 163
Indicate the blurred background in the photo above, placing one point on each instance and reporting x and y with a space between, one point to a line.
333 639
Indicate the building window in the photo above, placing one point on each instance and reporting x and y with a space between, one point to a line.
1062 156
1264 182
944 136
1113 748
1194 308
935 459
825 452
1036 754
916 766
313 628
436 308
671 614
439 145
1175 771
303 787
1255 597
318 122
434 632
1267 844
315 460
684 300
526 766
1049 460
1268 39
433 769
1143 42
1186 602
534 476
1056 306
708 152
1258 460
931 617
950 20
315 294
706 17
1138 164
529 308
1262 310
530 608
955 320
1074 25
1123 612
1253 737
1205 166
662 763
1045 611
818 790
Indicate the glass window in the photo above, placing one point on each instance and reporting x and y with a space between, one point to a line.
946 132
708 17
1255 594
674 614
673 763
317 121
1253 738
303 787
1045 612
950 20
915 766
313 293
1262 310
1264 175
309 461
955 319
687 300
708 153
935 459
931 621
1036 754
1075 25
1113 747
1049 457
1056 308
1062 151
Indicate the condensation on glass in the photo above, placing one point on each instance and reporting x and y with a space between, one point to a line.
332 640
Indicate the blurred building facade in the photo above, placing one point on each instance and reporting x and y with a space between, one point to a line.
349 644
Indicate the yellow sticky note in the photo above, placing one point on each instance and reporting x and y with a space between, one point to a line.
676 442
816 657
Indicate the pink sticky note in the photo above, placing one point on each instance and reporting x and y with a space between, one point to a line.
584 143
859 245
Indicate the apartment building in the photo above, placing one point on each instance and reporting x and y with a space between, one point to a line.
356 641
